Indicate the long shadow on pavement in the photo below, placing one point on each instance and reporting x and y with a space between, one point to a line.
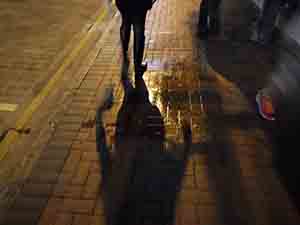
243 68
140 179
249 67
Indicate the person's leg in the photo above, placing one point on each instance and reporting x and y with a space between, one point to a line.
125 33
203 17
290 7
214 15
267 21
139 41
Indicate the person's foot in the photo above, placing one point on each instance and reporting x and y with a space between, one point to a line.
125 57
255 38
265 106
140 70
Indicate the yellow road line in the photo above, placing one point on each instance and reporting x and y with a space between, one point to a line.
38 100
6 107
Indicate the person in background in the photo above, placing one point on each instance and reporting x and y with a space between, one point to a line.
209 17
268 19
281 94
283 90
272 11
133 13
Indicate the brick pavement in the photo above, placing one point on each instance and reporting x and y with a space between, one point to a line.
185 146
35 39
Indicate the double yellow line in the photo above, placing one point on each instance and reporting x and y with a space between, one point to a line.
38 100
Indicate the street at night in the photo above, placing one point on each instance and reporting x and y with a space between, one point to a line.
87 138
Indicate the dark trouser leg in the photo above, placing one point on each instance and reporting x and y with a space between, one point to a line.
214 15
125 32
203 17
139 39
267 21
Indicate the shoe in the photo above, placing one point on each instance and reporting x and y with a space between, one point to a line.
140 70
143 68
265 107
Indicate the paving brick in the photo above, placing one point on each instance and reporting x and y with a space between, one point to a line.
190 168
50 165
249 169
74 111
201 160
75 144
99 220
206 197
56 147
69 127
66 135
208 215
202 173
50 213
43 177
202 185
90 156
100 207
92 186
188 182
189 196
70 119
85 146
92 136
81 174
246 150
201 180
82 220
72 161
188 214
245 140
29 203
14 217
78 206
65 177
38 190
59 143
95 167
83 134
92 84
64 219
60 154
68 190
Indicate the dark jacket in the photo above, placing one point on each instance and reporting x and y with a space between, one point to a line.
134 5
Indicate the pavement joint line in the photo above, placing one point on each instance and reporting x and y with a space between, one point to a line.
39 99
